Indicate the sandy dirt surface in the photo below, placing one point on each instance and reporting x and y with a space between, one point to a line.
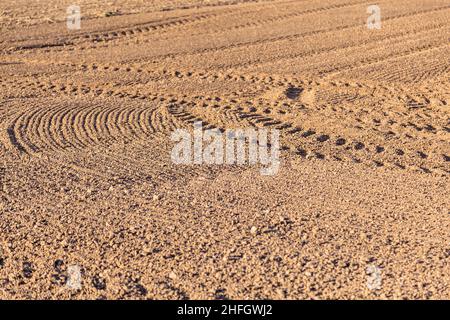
360 207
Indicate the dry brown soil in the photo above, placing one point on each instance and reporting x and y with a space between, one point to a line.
86 177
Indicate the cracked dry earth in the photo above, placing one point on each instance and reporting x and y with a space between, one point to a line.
86 178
